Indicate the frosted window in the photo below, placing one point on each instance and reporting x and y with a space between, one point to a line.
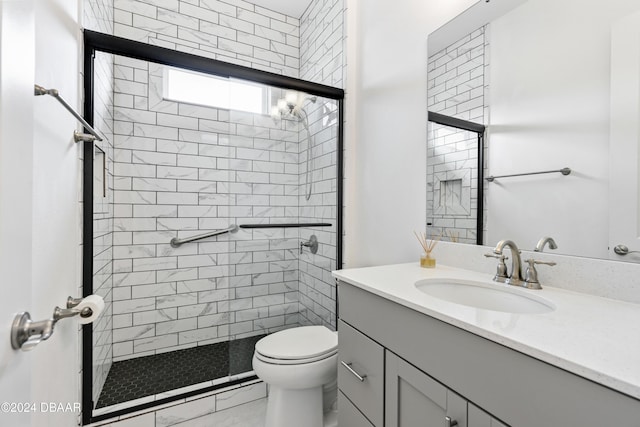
212 91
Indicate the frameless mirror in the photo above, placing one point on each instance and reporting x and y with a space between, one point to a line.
555 82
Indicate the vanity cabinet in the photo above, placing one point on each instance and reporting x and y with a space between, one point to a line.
415 399
417 370
378 388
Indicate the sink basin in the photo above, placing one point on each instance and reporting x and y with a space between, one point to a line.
485 296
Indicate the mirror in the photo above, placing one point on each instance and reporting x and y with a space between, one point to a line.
538 74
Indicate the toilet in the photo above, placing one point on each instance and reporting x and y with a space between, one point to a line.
300 366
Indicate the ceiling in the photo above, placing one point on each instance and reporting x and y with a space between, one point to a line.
293 8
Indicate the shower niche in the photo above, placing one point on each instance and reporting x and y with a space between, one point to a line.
261 153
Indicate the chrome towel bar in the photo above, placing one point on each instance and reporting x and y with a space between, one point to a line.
175 242
39 90
563 171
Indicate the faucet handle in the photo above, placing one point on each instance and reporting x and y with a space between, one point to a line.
531 275
532 262
501 271
494 255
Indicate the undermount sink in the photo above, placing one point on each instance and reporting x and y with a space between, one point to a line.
485 296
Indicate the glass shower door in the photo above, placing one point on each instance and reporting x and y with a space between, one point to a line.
168 177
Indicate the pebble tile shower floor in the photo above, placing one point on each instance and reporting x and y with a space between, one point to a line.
149 375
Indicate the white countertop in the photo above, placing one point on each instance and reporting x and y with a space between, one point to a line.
593 337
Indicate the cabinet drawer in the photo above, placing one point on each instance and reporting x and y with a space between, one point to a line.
365 358
348 415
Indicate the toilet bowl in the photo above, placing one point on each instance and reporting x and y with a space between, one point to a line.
300 366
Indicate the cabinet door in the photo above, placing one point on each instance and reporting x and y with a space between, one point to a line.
413 399
476 417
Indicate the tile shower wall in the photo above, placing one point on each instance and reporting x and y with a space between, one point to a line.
457 88
181 170
317 287
232 31
103 219
322 48
322 35
98 15
263 288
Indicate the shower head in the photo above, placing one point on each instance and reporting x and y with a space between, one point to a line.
292 105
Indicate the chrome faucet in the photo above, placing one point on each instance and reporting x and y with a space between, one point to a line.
542 242
516 264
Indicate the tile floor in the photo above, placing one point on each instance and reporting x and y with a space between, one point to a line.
198 413
137 378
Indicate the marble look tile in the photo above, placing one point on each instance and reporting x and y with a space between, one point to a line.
248 415
187 411
129 404
240 396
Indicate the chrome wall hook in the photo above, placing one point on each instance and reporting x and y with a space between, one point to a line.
26 334
83 137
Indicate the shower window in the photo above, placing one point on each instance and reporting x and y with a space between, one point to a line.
212 91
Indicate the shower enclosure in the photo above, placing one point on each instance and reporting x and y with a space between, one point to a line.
215 219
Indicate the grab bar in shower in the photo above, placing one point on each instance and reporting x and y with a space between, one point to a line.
563 171
175 242
39 90
288 225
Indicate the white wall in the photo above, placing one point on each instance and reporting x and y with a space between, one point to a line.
385 186
549 101
39 193
16 165
56 266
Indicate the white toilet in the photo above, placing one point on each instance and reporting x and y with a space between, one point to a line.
300 366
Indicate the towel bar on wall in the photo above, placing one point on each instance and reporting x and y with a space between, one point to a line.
563 171
77 136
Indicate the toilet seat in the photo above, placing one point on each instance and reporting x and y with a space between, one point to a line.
275 361
295 346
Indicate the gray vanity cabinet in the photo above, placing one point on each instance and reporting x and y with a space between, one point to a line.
476 417
414 399
403 368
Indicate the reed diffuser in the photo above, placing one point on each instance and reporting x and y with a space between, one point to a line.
428 245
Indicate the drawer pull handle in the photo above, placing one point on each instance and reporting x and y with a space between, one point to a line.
448 422
350 369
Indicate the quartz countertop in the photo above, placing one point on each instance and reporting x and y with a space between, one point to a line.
593 337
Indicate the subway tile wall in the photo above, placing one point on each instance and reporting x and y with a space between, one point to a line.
98 15
182 170
316 286
322 35
322 61
457 87
103 220
233 31
166 299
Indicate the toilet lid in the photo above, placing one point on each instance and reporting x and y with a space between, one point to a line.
304 342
